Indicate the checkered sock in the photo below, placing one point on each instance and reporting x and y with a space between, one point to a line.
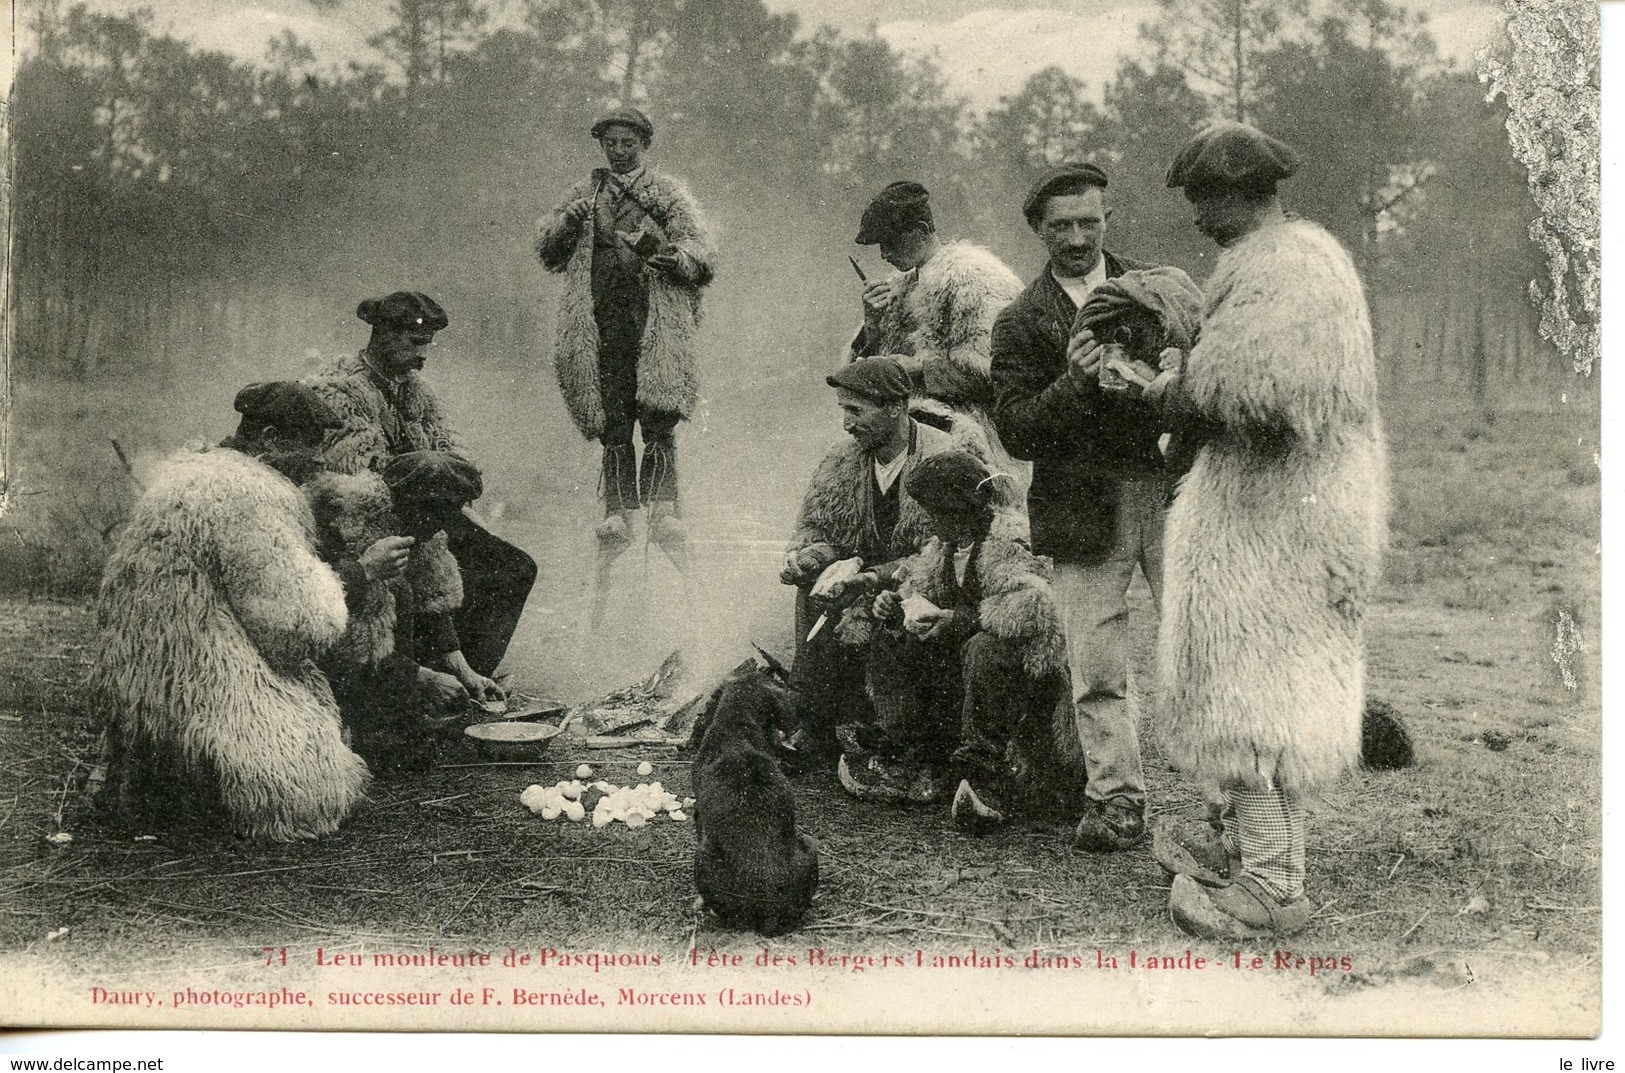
1271 826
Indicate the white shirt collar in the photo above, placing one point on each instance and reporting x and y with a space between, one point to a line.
886 472
1080 287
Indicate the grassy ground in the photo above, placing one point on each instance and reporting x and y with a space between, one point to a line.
1487 851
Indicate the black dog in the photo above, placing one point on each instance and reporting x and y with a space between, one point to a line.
751 866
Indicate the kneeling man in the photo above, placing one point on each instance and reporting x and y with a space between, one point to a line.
972 669
854 508
213 611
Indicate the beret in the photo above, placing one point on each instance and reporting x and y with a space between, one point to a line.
1232 154
1062 175
403 309
897 208
880 380
626 117
418 476
285 404
952 482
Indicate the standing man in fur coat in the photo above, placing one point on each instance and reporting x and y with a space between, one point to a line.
213 611
1273 541
935 314
637 254
1099 485
854 507
389 410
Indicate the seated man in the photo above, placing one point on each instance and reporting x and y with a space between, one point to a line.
389 410
970 671
391 702
853 508
213 609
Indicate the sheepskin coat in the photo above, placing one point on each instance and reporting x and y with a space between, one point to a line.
1273 540
381 420
942 324
1017 605
352 512
838 509
213 610
667 377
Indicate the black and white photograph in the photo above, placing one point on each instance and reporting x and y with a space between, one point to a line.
859 517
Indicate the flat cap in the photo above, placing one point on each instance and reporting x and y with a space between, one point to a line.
879 380
1061 179
1232 154
626 117
285 404
403 309
419 476
952 482
897 208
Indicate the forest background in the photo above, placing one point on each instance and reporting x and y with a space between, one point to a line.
186 221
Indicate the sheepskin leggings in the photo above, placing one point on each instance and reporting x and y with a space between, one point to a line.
917 690
1271 827
999 695
621 310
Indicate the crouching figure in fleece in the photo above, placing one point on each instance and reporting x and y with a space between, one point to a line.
213 610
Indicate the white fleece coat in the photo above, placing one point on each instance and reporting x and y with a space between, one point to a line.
667 377
1274 539
212 610
944 321
941 329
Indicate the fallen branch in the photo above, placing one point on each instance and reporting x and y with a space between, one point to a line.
1413 927
442 800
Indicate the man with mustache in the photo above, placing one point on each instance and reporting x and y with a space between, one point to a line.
854 508
1098 487
636 254
389 410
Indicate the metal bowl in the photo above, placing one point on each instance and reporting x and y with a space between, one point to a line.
512 740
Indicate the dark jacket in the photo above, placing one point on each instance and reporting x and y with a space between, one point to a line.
1081 440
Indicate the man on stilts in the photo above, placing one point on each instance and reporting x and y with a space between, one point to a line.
636 254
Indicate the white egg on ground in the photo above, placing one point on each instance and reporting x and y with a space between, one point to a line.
574 810
584 771
645 768
679 815
550 812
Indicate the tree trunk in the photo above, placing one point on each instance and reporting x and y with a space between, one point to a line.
1241 68
1479 357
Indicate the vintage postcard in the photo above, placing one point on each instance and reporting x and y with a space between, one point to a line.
1069 517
